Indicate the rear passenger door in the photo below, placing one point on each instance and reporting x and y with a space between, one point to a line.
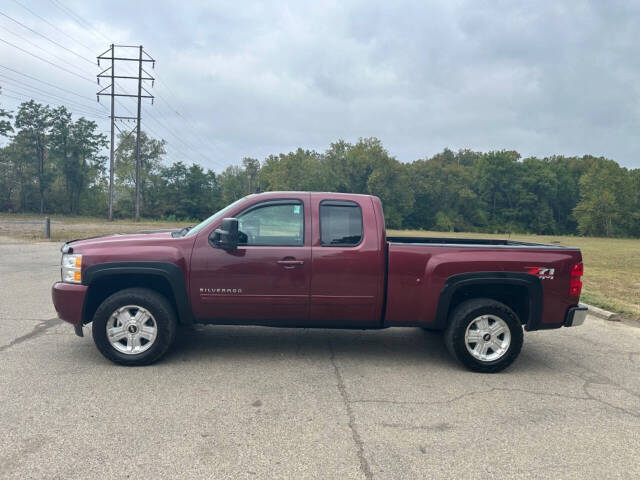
347 263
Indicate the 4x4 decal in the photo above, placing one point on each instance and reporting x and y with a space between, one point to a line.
543 273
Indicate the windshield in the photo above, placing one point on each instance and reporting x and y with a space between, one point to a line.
212 218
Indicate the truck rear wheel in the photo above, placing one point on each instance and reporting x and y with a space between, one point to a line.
484 335
135 326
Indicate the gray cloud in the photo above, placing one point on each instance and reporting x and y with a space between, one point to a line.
254 79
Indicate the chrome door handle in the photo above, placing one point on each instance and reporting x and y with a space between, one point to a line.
290 263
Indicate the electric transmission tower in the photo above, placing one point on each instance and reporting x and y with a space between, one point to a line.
110 91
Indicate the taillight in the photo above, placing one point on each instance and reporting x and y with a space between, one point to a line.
575 282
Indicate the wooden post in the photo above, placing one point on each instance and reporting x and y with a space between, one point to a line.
47 227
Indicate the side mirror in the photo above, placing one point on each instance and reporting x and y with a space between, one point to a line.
226 236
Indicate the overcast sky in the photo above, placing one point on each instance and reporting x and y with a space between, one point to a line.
240 79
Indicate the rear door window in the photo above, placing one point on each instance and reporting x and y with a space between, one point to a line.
340 223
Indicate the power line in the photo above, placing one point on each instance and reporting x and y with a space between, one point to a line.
191 130
44 36
54 26
165 128
29 97
190 152
202 141
77 18
174 96
46 61
46 83
55 100
60 59
191 134
29 87
152 132
189 149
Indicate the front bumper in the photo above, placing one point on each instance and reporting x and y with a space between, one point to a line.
68 299
575 316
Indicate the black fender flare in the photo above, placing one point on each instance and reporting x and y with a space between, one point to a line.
167 270
456 282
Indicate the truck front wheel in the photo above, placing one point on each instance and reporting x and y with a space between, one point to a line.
135 326
484 335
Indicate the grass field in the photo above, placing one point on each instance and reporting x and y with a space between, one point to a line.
612 266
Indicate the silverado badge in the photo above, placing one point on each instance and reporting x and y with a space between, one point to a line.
205 291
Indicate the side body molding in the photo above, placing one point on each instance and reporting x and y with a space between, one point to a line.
456 282
166 270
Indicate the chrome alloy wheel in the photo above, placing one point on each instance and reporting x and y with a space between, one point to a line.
131 329
487 338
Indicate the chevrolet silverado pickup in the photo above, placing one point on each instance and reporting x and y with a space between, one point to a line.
301 259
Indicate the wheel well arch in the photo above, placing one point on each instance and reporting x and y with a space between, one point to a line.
519 291
104 280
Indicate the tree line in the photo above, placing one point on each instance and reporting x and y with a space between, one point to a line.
51 163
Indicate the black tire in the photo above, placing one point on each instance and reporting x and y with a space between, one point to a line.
460 319
152 301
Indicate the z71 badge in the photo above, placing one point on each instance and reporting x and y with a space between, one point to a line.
543 273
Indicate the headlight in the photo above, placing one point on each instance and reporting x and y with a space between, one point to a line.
71 265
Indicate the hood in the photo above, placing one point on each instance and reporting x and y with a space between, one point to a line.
116 239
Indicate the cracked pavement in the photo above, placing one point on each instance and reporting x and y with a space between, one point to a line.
251 402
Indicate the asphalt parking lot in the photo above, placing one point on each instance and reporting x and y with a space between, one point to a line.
251 402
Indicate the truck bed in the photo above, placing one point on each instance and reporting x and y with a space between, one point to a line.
421 268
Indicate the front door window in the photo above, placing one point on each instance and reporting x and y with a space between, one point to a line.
278 224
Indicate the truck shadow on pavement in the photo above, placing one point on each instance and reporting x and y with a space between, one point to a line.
386 347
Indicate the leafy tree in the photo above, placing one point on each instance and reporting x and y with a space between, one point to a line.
189 192
633 207
75 150
603 195
151 152
494 173
34 121
366 167
445 195
5 121
21 173
299 170
251 169
567 171
234 184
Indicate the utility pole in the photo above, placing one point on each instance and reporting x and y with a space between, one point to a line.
113 124
138 137
143 75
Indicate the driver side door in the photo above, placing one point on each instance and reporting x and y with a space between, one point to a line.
267 278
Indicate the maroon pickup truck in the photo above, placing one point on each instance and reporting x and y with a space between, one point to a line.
300 259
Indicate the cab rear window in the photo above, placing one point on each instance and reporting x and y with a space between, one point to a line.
340 223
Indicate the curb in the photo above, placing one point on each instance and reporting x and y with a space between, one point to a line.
604 314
